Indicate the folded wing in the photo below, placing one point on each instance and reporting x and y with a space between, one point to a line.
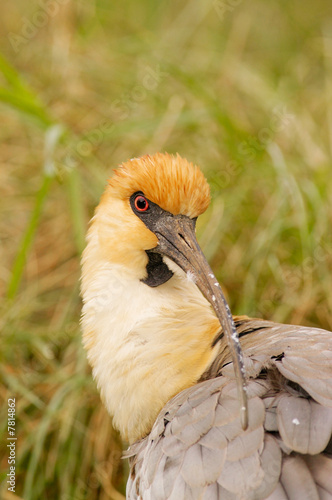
197 448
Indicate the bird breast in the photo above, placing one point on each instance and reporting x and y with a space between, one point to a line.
145 345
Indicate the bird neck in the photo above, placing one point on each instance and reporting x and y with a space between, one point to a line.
144 344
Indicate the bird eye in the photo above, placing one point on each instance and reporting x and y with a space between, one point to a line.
141 203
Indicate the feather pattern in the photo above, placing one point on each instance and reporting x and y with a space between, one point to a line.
198 450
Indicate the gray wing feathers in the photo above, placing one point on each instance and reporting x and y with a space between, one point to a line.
297 480
304 426
221 459
320 467
198 450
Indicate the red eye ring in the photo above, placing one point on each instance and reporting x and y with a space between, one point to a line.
141 203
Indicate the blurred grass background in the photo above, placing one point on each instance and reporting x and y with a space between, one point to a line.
241 88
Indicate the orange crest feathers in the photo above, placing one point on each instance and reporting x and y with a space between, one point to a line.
171 182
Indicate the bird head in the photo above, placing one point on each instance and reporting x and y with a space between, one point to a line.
151 301
142 194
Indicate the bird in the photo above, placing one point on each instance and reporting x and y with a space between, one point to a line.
213 406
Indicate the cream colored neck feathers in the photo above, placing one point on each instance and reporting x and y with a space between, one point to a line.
144 344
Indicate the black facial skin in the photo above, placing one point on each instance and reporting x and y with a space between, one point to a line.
153 216
157 271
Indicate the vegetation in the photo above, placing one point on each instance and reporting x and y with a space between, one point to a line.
242 89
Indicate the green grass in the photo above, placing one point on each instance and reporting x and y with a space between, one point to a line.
244 91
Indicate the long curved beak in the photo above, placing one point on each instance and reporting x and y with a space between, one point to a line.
177 240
